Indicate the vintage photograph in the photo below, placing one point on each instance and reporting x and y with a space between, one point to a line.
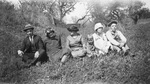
74 42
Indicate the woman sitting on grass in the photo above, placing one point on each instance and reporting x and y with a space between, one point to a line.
101 43
53 44
75 45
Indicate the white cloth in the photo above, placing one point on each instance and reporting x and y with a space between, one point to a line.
117 40
112 37
101 43
78 52
36 55
31 39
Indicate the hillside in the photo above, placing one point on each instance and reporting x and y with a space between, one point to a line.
110 69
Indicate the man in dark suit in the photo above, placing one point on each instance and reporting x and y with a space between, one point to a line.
32 49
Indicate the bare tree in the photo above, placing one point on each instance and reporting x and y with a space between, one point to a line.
65 6
98 13
114 11
85 16
33 10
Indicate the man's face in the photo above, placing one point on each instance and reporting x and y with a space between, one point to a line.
29 32
113 27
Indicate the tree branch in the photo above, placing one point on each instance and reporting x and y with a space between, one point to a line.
82 17
69 9
86 21
52 4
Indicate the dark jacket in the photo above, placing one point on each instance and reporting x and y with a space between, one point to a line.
53 45
38 44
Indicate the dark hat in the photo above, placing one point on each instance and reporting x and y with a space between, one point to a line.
73 28
110 23
27 27
49 30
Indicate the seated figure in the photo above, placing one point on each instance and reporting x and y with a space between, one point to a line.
75 45
116 38
100 41
53 44
32 50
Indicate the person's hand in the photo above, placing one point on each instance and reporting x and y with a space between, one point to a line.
20 53
36 55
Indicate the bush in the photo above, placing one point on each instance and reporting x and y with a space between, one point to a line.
10 26
7 14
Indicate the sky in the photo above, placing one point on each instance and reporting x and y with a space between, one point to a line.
80 7
103 1
79 12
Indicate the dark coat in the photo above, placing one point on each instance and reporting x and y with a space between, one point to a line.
53 47
38 44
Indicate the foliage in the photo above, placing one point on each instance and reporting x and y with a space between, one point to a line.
108 69
144 13
8 14
117 10
133 10
98 13
65 6
31 11
10 28
51 11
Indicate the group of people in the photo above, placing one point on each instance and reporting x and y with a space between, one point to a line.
113 40
34 50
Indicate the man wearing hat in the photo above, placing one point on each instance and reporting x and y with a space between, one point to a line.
53 44
75 45
32 49
116 38
100 40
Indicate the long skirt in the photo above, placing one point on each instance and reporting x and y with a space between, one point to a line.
76 52
54 56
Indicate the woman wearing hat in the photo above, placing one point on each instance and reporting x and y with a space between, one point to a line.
32 49
74 44
116 38
100 40
52 44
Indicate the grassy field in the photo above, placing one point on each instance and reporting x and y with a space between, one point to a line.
110 69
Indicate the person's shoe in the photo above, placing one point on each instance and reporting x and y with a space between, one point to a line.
128 52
